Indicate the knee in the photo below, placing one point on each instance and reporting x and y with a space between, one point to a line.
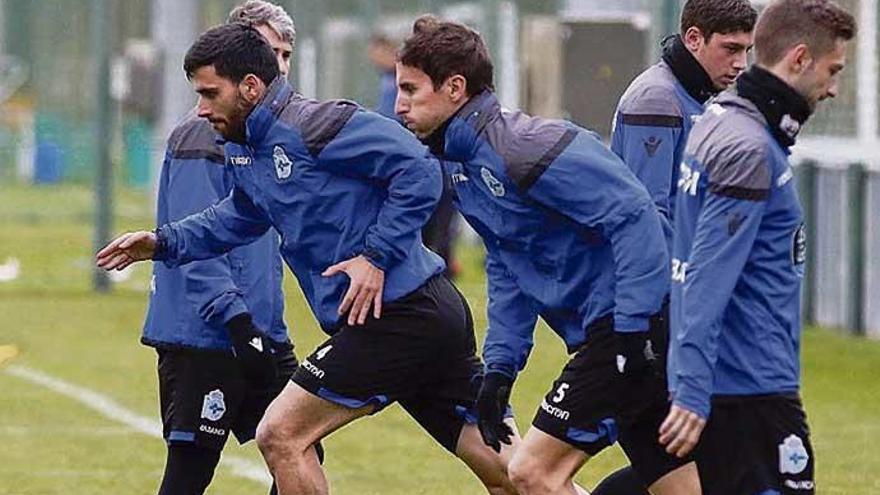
272 438
500 483
530 476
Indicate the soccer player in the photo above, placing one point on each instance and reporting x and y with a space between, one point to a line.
217 325
739 253
657 111
659 108
572 237
349 192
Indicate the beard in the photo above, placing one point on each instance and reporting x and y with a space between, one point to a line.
236 122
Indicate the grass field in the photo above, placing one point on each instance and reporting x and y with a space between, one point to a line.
52 444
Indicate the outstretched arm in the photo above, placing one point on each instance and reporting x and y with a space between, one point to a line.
233 222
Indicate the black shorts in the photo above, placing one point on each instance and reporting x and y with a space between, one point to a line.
420 353
756 445
203 395
591 405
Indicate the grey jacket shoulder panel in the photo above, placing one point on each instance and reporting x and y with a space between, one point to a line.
193 139
527 145
651 99
731 141
318 121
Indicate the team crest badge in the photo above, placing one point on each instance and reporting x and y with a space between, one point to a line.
495 186
789 126
213 405
283 165
793 456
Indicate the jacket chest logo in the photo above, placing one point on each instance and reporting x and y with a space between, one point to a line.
283 164
495 186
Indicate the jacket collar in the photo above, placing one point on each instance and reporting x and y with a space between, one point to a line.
784 108
687 69
463 128
267 110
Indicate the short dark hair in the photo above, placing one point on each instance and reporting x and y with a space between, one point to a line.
718 16
442 49
785 24
235 50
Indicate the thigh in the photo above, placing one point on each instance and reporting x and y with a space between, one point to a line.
787 462
580 407
444 405
726 454
422 340
752 445
303 418
200 395
555 459
639 438
449 382
791 437
489 466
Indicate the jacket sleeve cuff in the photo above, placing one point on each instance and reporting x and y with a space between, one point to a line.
377 258
693 400
161 252
231 305
505 369
630 324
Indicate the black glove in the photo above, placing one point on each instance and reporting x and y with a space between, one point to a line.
491 405
635 354
253 350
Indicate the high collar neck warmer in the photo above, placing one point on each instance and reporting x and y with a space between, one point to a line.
784 108
687 69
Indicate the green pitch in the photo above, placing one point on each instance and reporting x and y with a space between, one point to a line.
51 443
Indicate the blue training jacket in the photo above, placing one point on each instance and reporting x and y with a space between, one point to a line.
336 181
738 261
190 305
571 234
653 120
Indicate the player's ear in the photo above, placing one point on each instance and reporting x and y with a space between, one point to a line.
251 88
693 38
457 88
800 58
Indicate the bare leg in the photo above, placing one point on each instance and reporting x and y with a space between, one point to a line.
682 481
489 466
293 423
544 465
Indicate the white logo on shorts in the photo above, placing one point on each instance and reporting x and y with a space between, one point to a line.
793 456
213 406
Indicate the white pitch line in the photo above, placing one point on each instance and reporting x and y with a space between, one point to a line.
239 466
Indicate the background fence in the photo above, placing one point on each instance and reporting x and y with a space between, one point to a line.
566 58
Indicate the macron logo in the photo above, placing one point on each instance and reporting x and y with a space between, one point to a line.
257 343
240 160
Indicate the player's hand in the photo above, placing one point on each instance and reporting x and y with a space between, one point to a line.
127 249
635 354
364 291
253 350
681 431
492 403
